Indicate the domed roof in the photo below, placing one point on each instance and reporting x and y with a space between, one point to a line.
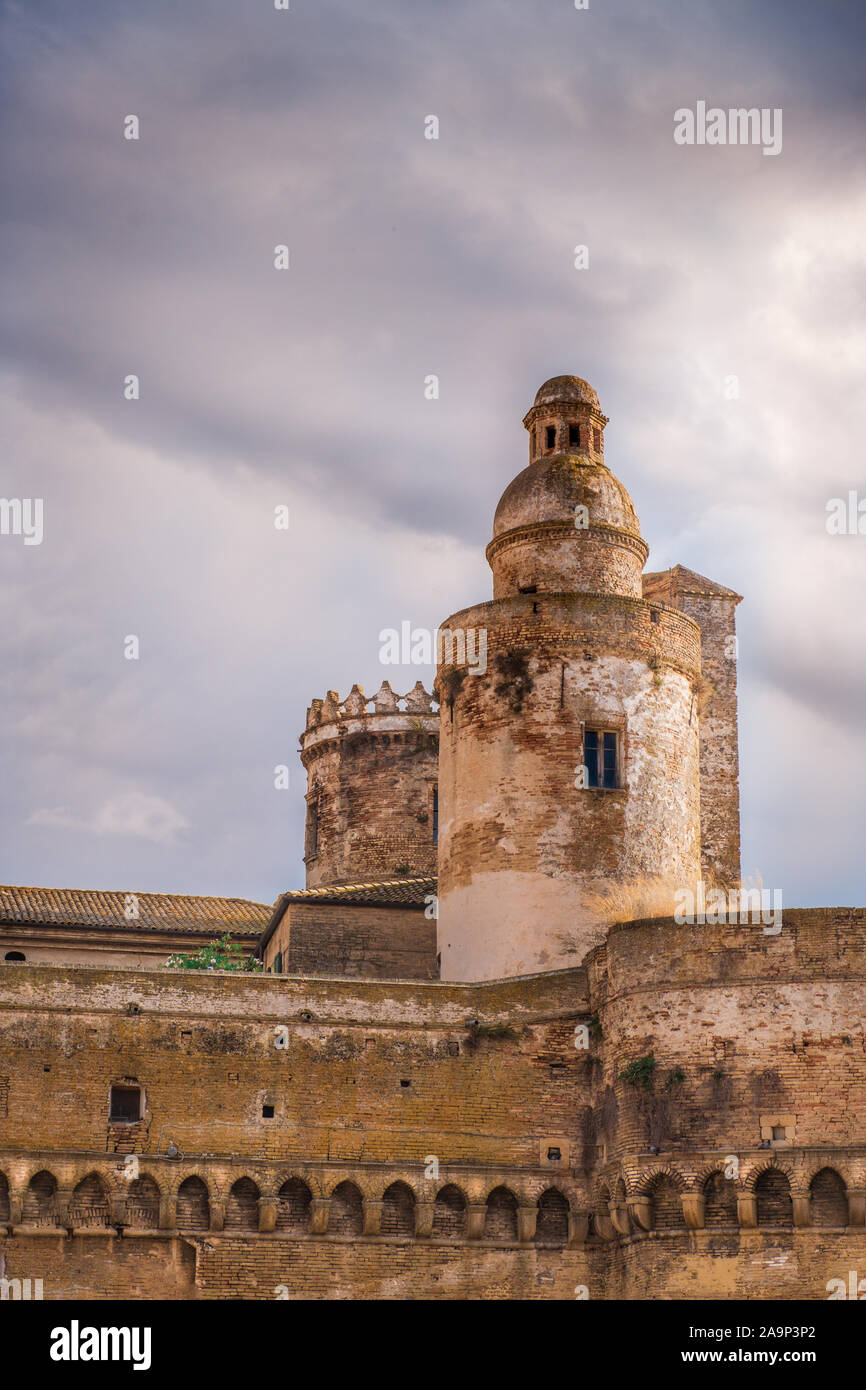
551 487
565 388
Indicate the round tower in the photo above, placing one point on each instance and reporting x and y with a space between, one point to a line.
372 805
569 767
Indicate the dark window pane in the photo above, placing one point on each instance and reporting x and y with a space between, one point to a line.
590 756
610 760
551 436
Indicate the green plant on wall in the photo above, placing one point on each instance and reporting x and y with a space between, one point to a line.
640 1072
222 954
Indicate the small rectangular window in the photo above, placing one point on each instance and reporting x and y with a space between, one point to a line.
550 435
125 1104
574 435
600 756
267 1112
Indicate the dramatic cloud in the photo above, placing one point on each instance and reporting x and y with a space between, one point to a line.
721 320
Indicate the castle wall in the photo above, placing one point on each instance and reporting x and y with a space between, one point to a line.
749 1031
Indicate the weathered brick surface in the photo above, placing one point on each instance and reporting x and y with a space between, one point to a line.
536 1139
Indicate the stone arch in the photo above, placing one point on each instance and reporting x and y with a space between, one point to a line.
500 1220
5 1213
89 1205
773 1193
551 1227
398 1210
347 1211
828 1199
294 1207
720 1200
242 1207
667 1209
40 1200
193 1205
450 1213
142 1204
771 1165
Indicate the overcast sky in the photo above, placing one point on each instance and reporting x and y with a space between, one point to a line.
305 387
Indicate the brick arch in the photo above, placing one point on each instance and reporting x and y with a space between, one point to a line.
398 1210
450 1212
40 1199
347 1209
89 1204
242 1205
759 1168
772 1189
720 1199
843 1169
500 1220
294 1206
551 1227
142 1203
284 1175
673 1175
664 1193
828 1198
193 1204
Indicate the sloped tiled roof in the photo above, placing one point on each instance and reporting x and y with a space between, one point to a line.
168 912
408 892
679 580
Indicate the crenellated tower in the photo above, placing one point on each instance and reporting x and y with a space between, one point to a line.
372 768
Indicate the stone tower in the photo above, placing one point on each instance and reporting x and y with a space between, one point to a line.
372 807
570 769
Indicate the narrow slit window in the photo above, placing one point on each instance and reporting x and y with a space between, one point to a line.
574 435
550 435
313 827
435 815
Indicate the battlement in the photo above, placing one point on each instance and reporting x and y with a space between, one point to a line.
357 705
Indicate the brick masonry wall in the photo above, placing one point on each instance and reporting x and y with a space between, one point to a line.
765 1030
388 943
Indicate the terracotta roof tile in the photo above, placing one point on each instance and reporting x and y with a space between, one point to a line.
169 912
408 892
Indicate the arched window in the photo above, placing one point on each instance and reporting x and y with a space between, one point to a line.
15 956
294 1204
40 1200
193 1206
501 1218
242 1208
89 1203
551 1228
667 1209
449 1213
347 1211
773 1192
398 1210
142 1204
720 1202
828 1204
